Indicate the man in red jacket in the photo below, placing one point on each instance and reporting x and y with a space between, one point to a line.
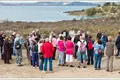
47 50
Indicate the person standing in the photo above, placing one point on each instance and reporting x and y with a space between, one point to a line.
54 43
98 52
81 54
6 51
18 49
61 51
118 44
90 50
109 51
47 50
35 59
1 43
69 52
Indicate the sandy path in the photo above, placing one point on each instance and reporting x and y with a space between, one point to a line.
59 72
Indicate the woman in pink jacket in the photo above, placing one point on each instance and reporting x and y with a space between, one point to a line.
69 52
61 51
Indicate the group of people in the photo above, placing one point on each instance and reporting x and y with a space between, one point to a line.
68 45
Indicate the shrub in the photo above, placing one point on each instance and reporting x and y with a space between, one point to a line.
107 4
74 20
91 11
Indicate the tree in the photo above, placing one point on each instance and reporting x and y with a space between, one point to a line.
107 4
114 4
91 11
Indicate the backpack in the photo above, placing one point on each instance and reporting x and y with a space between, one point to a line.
17 45
100 51
82 47
90 45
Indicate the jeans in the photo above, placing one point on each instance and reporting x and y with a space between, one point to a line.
41 62
35 60
98 59
90 57
81 57
19 56
45 64
61 57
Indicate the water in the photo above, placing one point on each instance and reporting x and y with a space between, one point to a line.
38 13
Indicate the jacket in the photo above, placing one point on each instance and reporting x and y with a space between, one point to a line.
109 49
47 49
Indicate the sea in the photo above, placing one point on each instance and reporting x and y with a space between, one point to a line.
40 13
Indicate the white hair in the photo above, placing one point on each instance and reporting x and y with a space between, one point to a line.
47 40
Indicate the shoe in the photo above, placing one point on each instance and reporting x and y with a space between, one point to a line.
59 64
71 66
62 65
96 69
99 69
78 66
8 63
44 72
107 70
66 65
84 67
88 63
51 71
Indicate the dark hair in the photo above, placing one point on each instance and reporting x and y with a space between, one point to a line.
69 38
61 38
99 42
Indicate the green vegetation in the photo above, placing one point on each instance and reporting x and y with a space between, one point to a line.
109 26
107 10
91 11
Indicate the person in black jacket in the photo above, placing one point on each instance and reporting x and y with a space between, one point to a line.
118 44
76 39
6 51
1 43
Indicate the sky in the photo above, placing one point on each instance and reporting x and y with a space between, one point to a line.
31 1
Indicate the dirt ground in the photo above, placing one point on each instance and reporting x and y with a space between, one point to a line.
27 71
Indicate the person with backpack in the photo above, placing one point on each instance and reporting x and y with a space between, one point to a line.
18 49
98 53
69 52
81 54
90 50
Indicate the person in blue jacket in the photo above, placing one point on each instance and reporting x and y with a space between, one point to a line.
98 46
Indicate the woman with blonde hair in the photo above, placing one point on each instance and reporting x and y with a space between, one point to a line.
109 51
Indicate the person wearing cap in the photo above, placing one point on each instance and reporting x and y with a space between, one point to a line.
47 50
6 51
109 51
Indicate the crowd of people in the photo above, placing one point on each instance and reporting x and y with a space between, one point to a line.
68 45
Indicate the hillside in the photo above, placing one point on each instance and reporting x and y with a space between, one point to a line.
50 4
111 10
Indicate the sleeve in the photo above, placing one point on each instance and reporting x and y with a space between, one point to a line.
42 48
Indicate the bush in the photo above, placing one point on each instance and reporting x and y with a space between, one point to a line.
74 20
107 4
91 11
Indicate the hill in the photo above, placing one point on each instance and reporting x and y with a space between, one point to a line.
50 4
